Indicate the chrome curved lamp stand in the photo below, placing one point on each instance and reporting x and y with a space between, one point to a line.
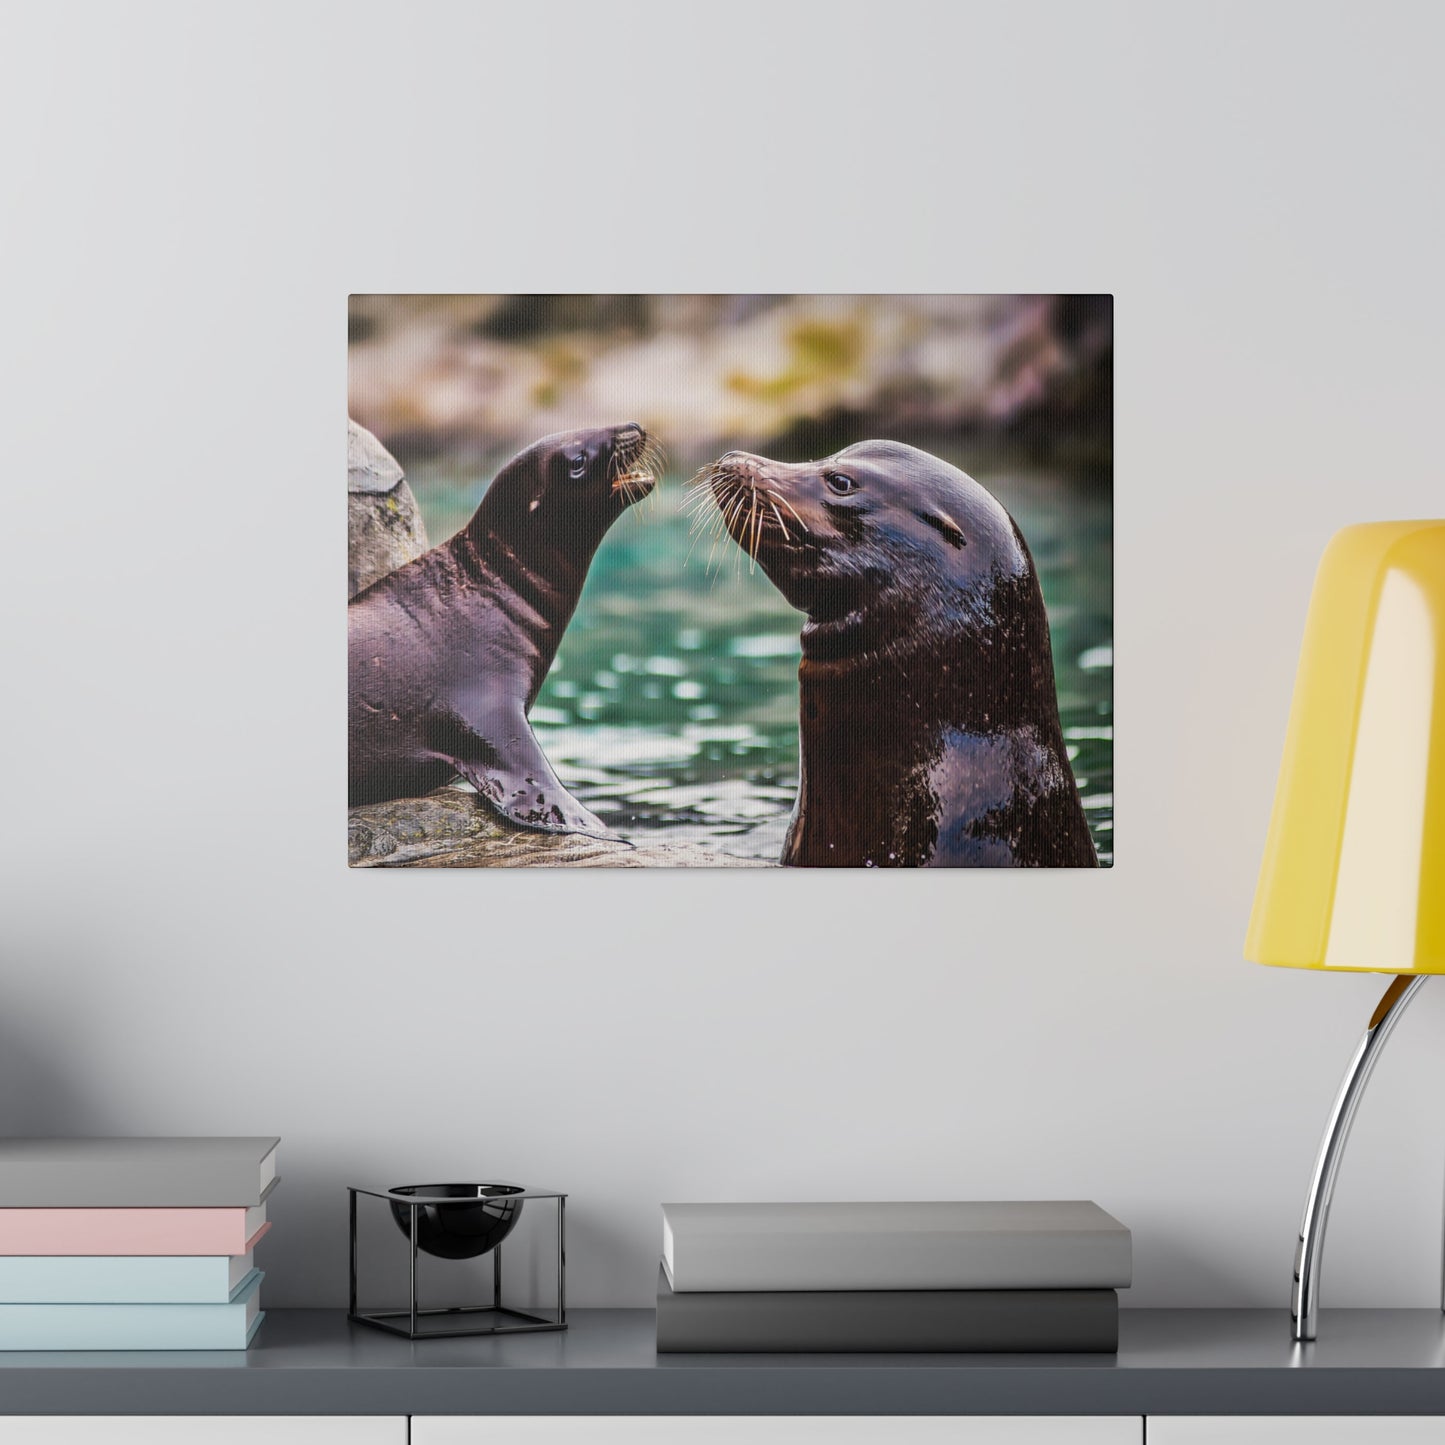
1305 1297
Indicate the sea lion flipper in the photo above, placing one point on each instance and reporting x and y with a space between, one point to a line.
520 784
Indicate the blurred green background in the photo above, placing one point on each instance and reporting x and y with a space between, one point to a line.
673 701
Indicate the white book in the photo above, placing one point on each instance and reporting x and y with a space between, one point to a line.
1028 1244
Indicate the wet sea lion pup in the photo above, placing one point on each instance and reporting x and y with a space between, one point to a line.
929 725
447 653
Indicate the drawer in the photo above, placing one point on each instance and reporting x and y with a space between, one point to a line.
777 1430
1296 1430
202 1430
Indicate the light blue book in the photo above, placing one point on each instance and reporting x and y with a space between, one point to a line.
202 1279
229 1326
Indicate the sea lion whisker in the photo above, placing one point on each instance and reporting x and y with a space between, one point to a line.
700 501
701 490
741 538
780 497
706 524
783 526
744 523
729 503
735 510
703 513
710 473
718 490
634 474
727 518
712 553
696 537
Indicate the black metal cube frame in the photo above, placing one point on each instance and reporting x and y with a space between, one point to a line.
410 1323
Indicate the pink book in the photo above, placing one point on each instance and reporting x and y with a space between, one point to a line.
131 1231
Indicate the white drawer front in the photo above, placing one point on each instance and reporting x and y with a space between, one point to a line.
776 1430
1296 1430
202 1430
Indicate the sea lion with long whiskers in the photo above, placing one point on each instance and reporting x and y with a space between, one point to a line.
447 653
929 724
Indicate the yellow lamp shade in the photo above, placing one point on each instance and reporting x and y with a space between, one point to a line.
1354 865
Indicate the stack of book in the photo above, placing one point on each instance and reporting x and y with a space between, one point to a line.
1032 1276
132 1244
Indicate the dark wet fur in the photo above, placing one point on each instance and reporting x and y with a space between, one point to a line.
929 727
448 653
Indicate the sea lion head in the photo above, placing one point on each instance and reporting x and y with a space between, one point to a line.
571 486
877 543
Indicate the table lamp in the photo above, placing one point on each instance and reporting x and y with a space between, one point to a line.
1353 876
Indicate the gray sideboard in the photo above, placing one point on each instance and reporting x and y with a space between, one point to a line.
1183 1363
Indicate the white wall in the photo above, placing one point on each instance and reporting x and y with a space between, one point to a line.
189 193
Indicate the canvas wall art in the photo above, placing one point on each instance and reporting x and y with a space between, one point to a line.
730 581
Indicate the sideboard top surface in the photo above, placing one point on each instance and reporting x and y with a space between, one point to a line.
1176 1362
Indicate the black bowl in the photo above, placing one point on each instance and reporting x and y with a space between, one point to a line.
462 1230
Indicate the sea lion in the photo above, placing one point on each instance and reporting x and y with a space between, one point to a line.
929 727
448 652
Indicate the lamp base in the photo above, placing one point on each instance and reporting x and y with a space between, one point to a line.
1304 1307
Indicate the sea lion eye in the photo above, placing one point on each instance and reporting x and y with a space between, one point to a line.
839 484
577 467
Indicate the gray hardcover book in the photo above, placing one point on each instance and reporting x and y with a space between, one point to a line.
1030 1244
136 1173
887 1321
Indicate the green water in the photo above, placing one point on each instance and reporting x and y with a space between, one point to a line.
673 703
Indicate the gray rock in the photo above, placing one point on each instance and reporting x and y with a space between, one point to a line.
383 522
453 828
